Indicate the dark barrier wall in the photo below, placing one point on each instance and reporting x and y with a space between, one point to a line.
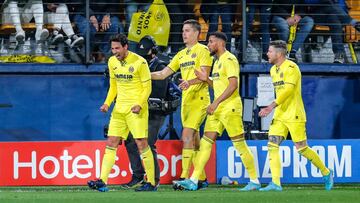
66 107
51 107
54 107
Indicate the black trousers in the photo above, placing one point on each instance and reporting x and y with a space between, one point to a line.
155 122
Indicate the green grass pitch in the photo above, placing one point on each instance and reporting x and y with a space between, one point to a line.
165 194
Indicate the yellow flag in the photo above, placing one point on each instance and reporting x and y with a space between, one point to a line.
154 22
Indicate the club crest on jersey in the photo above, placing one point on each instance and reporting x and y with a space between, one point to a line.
281 75
131 69
219 66
193 55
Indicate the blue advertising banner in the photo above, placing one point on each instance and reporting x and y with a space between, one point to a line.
341 155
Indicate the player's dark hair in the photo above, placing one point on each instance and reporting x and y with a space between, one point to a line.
219 35
280 45
119 38
194 23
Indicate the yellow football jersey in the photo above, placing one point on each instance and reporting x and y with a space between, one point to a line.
187 60
292 109
225 67
130 75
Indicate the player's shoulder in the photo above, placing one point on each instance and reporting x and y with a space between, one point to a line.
228 57
136 58
201 47
290 64
112 61
180 54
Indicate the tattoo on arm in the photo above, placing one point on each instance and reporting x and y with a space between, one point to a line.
275 139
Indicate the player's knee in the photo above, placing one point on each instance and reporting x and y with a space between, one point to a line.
300 145
113 141
187 139
275 139
142 144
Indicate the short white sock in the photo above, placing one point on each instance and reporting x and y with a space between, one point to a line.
256 181
194 180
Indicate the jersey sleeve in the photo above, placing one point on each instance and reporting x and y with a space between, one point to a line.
144 72
111 69
174 63
232 67
292 75
112 92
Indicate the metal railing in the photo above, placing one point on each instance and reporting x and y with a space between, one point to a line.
247 40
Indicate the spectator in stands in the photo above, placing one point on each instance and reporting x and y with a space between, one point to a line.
335 18
212 10
282 21
104 22
264 7
59 16
32 9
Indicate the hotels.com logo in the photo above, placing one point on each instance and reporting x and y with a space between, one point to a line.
50 166
73 163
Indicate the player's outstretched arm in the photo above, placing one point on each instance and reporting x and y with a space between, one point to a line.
161 75
196 80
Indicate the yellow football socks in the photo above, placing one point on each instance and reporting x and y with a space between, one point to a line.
275 165
246 157
312 156
195 161
202 158
107 163
187 156
149 166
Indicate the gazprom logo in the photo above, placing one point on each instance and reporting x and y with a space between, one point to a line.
338 158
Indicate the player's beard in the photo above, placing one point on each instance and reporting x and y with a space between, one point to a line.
213 52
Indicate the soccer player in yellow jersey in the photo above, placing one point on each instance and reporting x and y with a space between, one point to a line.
195 94
130 83
289 116
225 112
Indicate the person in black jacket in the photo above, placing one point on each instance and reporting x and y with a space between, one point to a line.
282 20
147 48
